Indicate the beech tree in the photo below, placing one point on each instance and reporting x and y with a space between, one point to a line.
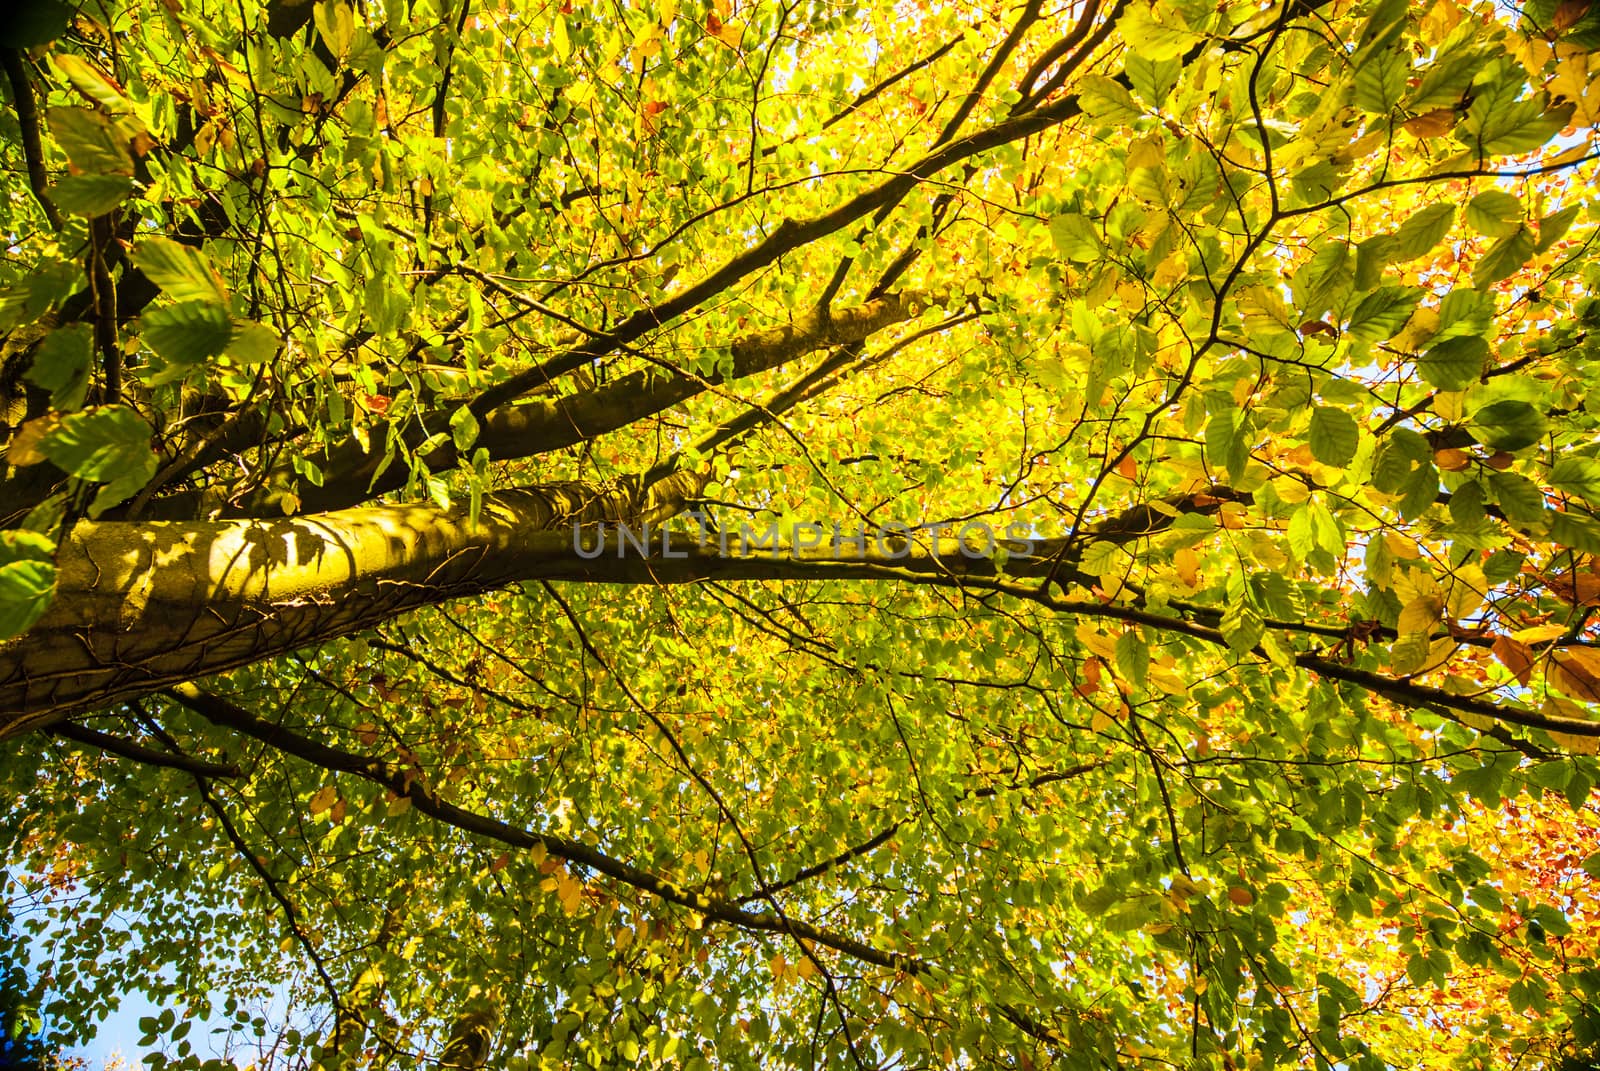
803 534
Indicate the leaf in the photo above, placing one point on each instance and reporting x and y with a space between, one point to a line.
1464 311
1334 436
1074 237
1455 363
91 141
1579 531
1419 234
182 272
1152 79
1242 627
560 39
37 22
1576 671
27 580
105 443
336 22
90 195
51 283
1382 313
252 343
1516 656
1495 213
1499 123
1508 425
1519 497
62 363
464 428
98 442
1107 100
187 334
91 82
1133 657
1553 228
322 800
1505 258
1577 476
1380 80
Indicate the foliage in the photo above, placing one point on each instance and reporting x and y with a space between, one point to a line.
1114 488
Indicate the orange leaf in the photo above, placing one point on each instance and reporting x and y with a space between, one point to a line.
1577 672
1241 896
1514 655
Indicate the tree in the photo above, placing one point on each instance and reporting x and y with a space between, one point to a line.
803 534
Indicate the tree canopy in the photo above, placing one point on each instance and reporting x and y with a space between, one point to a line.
796 534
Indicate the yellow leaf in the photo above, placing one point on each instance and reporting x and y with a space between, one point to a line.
323 799
1097 641
1539 633
560 39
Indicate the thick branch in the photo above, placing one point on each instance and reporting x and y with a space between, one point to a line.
143 607
28 120
351 474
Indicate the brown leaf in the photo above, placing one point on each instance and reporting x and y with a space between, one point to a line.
1575 589
1569 13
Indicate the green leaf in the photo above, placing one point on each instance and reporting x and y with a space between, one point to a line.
1372 256
1381 80
464 429
1242 627
188 334
1499 123
252 343
37 22
62 363
1133 657
1520 498
1074 237
27 580
1334 436
182 272
1153 79
1553 228
41 290
1577 476
1505 258
1382 313
1103 558
1508 425
1420 233
91 141
1464 311
1579 531
90 195
1495 213
1455 363
98 442
1107 100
